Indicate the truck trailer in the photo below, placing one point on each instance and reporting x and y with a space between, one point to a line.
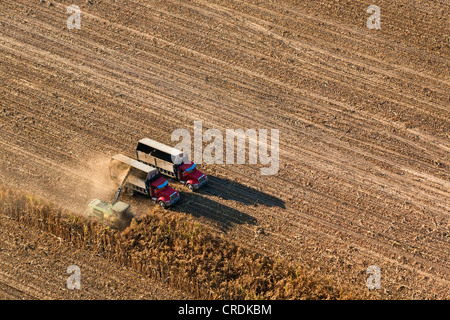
171 162
137 177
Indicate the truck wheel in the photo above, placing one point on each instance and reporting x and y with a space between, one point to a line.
190 187
130 191
162 204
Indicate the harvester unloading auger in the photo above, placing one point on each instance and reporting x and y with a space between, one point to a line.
119 190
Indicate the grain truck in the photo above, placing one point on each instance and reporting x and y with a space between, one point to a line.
137 177
171 162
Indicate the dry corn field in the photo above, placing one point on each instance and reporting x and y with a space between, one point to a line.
364 150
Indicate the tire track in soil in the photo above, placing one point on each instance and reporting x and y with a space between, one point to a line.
321 219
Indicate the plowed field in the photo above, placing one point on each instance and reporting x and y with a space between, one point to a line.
363 116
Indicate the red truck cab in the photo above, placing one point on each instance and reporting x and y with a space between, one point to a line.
162 193
191 176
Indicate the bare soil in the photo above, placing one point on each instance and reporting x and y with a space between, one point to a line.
364 120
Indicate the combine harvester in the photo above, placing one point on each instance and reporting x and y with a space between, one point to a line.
171 162
115 215
141 178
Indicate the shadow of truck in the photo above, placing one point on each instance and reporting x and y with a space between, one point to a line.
197 205
232 190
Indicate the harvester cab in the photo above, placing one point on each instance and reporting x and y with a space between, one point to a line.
115 215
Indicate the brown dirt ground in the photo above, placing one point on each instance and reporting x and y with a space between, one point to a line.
363 115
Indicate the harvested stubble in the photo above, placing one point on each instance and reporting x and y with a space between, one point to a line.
172 248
